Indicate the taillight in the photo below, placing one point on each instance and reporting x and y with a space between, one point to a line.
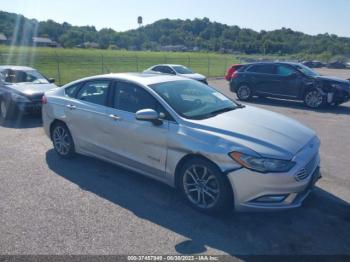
234 75
43 100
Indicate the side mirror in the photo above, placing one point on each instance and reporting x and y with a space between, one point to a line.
148 115
52 80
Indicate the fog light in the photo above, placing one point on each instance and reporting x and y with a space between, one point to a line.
271 199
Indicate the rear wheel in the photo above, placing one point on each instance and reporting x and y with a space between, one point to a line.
62 141
204 187
244 92
313 98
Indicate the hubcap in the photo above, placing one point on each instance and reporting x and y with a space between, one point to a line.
313 99
201 186
3 109
61 140
244 92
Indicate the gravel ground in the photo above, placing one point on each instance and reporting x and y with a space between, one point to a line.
85 206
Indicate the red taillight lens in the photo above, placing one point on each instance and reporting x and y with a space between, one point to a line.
43 100
234 75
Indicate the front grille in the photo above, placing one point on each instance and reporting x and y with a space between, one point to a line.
305 172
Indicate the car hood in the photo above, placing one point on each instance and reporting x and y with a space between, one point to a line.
332 79
32 89
269 134
193 76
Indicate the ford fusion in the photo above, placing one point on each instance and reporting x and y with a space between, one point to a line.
21 90
219 154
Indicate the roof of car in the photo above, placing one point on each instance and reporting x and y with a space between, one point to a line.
168 65
142 78
275 63
13 67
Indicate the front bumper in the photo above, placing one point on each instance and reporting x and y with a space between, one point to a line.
30 107
277 190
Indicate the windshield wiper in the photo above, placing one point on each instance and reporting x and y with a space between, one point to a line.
217 112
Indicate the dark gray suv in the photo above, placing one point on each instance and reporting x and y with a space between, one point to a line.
289 81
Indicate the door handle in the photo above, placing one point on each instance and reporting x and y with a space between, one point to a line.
115 117
71 107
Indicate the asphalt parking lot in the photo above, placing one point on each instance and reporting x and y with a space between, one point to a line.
85 206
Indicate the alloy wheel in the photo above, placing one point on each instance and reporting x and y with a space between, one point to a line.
313 99
61 140
244 92
201 187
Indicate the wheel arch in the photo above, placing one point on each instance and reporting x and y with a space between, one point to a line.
187 158
54 123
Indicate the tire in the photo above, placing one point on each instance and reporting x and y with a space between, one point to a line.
62 141
313 98
244 92
204 187
7 111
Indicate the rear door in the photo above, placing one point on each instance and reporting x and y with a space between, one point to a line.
86 115
262 78
137 144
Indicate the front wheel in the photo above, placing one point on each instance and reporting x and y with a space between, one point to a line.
204 187
314 99
244 92
63 141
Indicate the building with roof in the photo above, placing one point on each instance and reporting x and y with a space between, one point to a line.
44 41
3 38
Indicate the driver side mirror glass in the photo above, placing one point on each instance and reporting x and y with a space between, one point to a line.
52 80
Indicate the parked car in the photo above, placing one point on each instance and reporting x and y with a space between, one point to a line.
336 65
289 81
21 90
231 71
179 70
217 152
313 64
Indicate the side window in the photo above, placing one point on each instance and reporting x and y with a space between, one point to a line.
262 69
168 70
71 91
284 70
132 98
157 69
94 92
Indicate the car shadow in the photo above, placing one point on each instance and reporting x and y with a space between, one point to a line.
321 226
23 122
343 109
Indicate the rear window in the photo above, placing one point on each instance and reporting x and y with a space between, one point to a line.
262 69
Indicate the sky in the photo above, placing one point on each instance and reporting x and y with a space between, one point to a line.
308 16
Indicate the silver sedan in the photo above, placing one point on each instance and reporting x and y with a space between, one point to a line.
218 153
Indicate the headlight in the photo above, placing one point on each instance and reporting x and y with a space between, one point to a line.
261 164
19 98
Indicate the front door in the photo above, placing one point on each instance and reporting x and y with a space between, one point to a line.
289 82
140 145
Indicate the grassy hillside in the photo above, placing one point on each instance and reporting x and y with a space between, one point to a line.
70 64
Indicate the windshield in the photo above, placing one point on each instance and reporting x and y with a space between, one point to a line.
22 76
306 70
194 100
182 70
